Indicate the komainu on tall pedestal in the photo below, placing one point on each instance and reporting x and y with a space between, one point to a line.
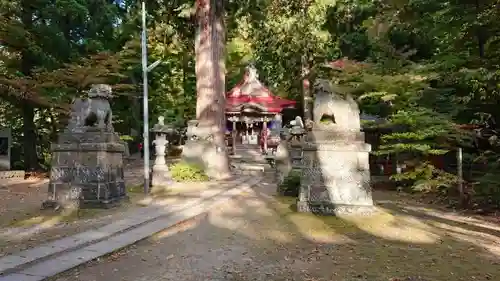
335 175
87 161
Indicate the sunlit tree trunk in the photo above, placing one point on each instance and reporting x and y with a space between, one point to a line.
210 82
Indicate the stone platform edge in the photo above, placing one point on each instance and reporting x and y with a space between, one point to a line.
49 259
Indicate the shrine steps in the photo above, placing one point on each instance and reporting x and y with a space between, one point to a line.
248 152
248 160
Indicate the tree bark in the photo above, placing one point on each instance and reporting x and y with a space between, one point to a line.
28 110
306 87
306 73
210 83
480 32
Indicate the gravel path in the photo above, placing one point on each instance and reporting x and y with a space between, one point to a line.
250 239
220 245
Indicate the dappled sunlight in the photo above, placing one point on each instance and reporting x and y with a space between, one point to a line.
452 217
261 235
280 236
483 240
317 228
310 226
30 227
479 234
394 227
178 228
25 228
252 218
382 224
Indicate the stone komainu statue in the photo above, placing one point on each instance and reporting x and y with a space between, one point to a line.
93 111
327 104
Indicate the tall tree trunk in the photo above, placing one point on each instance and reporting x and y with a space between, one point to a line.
185 82
28 110
306 87
210 83
306 73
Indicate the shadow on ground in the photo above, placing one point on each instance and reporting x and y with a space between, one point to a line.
258 237
28 226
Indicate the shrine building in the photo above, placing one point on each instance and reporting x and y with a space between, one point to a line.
251 109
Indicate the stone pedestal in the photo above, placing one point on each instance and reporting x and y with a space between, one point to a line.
335 175
87 170
296 154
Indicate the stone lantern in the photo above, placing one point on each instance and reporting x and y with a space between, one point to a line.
161 175
288 154
295 137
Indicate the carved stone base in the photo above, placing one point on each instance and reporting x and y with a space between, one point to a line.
329 209
86 175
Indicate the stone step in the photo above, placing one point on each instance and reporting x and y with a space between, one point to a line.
251 169
250 166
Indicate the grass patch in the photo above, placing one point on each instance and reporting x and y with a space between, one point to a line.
187 172
135 188
383 224
307 222
291 184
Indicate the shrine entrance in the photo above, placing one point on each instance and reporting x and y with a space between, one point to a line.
247 129
252 110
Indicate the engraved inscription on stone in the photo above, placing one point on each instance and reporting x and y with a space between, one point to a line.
75 193
62 174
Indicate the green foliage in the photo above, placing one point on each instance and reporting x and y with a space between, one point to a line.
135 189
486 179
418 129
425 177
186 172
432 67
291 184
126 138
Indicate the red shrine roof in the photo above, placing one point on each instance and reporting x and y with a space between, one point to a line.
251 95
